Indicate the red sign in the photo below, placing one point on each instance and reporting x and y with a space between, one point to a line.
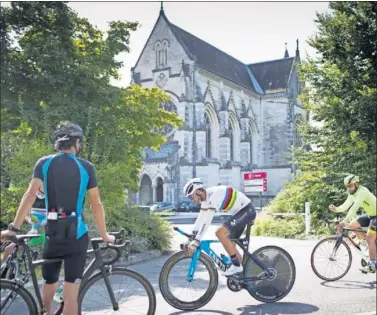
255 175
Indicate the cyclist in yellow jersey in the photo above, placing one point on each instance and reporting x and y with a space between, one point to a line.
360 197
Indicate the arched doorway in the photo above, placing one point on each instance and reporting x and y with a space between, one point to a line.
146 193
160 190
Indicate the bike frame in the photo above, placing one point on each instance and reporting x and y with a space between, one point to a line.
96 263
345 235
205 246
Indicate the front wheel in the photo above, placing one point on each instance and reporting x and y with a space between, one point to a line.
283 274
133 294
331 259
198 292
16 299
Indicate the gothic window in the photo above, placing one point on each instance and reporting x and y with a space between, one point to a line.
208 135
161 54
231 131
298 122
251 149
252 131
157 48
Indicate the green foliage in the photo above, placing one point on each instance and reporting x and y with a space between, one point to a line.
19 153
341 92
291 227
144 230
57 66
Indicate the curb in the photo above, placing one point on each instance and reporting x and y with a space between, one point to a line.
127 261
137 258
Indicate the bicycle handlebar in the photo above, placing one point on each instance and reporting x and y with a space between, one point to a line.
190 236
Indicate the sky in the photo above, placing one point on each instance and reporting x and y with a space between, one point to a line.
249 31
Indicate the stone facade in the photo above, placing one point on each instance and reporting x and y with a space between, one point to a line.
237 118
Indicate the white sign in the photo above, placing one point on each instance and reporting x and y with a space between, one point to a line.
255 182
255 189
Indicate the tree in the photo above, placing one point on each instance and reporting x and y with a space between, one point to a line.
341 93
56 66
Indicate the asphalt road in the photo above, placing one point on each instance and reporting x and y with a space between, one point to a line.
354 294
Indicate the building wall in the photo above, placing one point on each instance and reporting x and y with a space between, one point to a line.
270 116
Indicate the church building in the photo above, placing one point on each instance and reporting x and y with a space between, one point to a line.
238 118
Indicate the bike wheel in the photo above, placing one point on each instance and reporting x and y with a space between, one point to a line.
329 251
94 293
177 281
16 299
281 264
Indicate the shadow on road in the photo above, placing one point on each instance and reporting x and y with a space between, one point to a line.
347 284
202 312
278 309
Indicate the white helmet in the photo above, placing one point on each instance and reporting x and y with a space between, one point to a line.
191 186
351 179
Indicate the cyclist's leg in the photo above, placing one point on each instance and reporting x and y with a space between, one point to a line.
234 227
8 250
74 265
371 238
50 273
358 223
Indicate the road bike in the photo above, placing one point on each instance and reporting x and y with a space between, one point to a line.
95 288
269 273
331 258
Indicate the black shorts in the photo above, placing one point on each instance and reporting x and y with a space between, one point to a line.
73 254
237 223
366 221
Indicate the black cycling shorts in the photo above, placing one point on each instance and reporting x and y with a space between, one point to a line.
367 221
237 223
73 254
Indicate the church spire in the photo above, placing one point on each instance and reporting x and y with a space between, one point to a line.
286 55
162 7
297 51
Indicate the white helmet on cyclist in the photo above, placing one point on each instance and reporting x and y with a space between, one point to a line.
191 186
351 179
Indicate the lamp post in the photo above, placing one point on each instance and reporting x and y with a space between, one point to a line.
293 131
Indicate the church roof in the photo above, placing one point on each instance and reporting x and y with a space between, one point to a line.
273 75
166 150
216 61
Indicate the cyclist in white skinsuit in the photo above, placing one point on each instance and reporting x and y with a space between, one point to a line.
221 199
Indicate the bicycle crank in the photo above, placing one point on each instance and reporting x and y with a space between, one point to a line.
234 285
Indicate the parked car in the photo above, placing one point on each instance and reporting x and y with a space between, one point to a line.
162 206
188 206
144 208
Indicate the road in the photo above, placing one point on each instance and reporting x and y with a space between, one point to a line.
354 294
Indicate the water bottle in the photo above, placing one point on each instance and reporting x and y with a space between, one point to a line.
226 260
58 297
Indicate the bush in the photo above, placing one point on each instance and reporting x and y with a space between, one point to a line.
289 227
145 231
20 152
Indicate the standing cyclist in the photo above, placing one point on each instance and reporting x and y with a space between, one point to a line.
66 178
360 196
220 199
38 219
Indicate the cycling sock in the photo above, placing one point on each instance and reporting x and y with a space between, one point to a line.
235 260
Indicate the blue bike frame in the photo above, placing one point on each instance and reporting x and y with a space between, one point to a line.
205 247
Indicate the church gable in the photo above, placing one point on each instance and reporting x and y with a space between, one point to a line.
162 51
